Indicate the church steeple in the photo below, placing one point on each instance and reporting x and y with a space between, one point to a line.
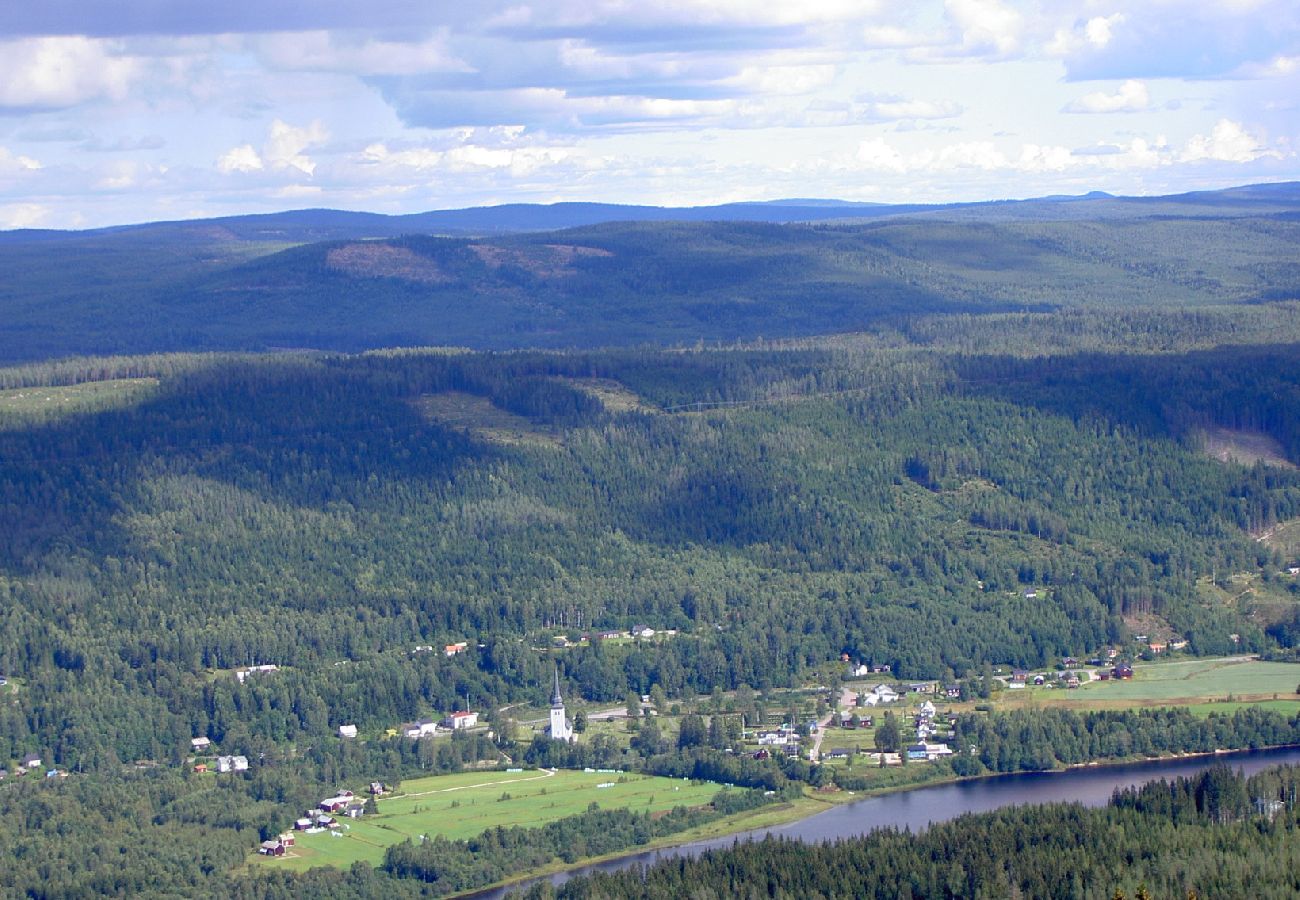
561 730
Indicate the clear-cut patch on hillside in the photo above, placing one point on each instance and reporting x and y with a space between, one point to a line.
482 419
1244 447
377 260
613 395
544 261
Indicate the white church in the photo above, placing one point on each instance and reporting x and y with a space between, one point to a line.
561 728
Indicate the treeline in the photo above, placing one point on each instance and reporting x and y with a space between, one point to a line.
1217 834
1042 739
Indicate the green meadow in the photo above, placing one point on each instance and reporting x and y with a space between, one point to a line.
1199 680
467 804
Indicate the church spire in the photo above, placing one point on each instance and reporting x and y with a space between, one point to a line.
556 699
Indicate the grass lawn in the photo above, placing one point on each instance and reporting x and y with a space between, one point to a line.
467 804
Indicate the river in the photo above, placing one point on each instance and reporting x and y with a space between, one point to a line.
919 807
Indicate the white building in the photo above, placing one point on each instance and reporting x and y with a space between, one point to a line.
885 693
232 763
347 731
560 729
242 674
423 728
458 720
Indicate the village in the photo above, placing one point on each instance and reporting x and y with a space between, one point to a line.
829 729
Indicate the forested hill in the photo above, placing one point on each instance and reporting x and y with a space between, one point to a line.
924 507
260 283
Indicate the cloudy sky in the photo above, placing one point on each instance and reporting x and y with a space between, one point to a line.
117 111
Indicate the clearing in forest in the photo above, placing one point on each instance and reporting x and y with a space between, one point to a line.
482 419
1245 447
613 395
35 404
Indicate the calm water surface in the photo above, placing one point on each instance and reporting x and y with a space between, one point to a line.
915 809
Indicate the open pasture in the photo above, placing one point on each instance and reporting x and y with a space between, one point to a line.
467 804
1200 679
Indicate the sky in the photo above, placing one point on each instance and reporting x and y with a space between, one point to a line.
118 111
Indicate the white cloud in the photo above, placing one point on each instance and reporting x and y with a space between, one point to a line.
987 26
892 36
62 71
1131 96
778 80
297 191
239 159
356 53
14 163
285 145
898 108
1035 158
967 155
1279 66
1030 158
1228 142
1093 34
571 14
876 154
23 215
283 150
119 176
418 158
469 158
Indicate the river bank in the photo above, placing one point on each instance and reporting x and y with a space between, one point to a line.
915 806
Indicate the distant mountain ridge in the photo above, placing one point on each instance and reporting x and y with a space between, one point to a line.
305 225
511 277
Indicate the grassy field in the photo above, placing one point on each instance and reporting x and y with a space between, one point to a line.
1181 682
467 804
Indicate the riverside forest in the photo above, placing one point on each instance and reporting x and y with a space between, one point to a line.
727 504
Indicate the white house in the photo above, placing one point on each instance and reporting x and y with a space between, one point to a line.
884 693
200 743
458 720
423 728
347 731
934 751
232 763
